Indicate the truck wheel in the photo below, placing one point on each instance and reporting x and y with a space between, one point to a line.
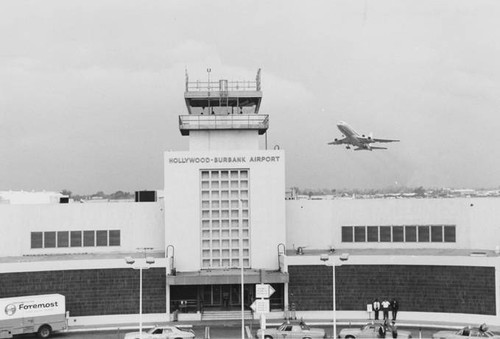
44 331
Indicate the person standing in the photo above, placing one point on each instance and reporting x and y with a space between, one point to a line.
385 308
395 308
376 307
394 329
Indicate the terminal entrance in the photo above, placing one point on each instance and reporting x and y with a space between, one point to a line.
191 299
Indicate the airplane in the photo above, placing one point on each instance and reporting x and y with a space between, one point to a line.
352 138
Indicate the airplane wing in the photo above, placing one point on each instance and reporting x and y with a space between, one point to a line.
384 140
369 148
366 140
339 141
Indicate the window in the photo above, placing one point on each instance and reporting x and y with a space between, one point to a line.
385 233
359 234
372 233
63 239
423 233
76 238
101 238
437 233
36 239
225 223
397 233
410 233
449 234
49 239
88 238
347 234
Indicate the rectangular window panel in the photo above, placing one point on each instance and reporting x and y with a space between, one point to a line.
347 234
372 233
49 239
114 238
449 234
76 238
36 239
411 233
63 239
225 227
385 233
437 233
423 233
88 238
102 238
359 234
397 234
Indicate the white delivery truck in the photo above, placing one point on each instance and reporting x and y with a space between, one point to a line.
41 314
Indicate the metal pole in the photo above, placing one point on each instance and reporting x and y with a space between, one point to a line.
334 306
242 275
242 308
140 302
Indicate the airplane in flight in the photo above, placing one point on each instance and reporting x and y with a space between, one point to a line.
352 138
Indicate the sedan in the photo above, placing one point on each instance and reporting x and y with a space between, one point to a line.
292 330
162 332
468 331
372 330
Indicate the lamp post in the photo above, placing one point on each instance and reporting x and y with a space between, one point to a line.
325 258
242 297
147 263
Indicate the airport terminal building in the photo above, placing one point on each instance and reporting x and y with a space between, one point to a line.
224 215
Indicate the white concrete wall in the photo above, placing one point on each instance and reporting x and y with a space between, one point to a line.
182 204
140 225
223 140
317 224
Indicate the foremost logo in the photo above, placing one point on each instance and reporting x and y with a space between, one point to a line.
33 306
10 309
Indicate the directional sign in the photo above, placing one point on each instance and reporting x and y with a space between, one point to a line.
260 306
264 290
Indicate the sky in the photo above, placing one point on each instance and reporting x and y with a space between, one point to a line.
91 91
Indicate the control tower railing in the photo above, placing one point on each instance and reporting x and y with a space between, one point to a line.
258 122
223 85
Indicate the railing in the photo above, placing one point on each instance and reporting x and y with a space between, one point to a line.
201 122
205 86
223 85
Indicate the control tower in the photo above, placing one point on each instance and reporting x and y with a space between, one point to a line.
223 114
224 197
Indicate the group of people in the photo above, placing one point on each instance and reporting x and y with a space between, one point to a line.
385 306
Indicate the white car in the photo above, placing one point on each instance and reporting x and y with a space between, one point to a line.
162 332
292 330
466 332
372 330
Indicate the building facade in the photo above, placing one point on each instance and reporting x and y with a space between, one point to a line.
224 218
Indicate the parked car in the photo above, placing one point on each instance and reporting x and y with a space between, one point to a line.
292 330
163 332
372 330
468 331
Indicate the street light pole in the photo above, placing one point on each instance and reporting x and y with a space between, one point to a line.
325 258
146 265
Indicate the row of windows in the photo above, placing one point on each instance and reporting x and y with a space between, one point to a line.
75 239
404 233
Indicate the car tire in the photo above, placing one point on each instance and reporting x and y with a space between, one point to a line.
350 337
44 331
268 337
